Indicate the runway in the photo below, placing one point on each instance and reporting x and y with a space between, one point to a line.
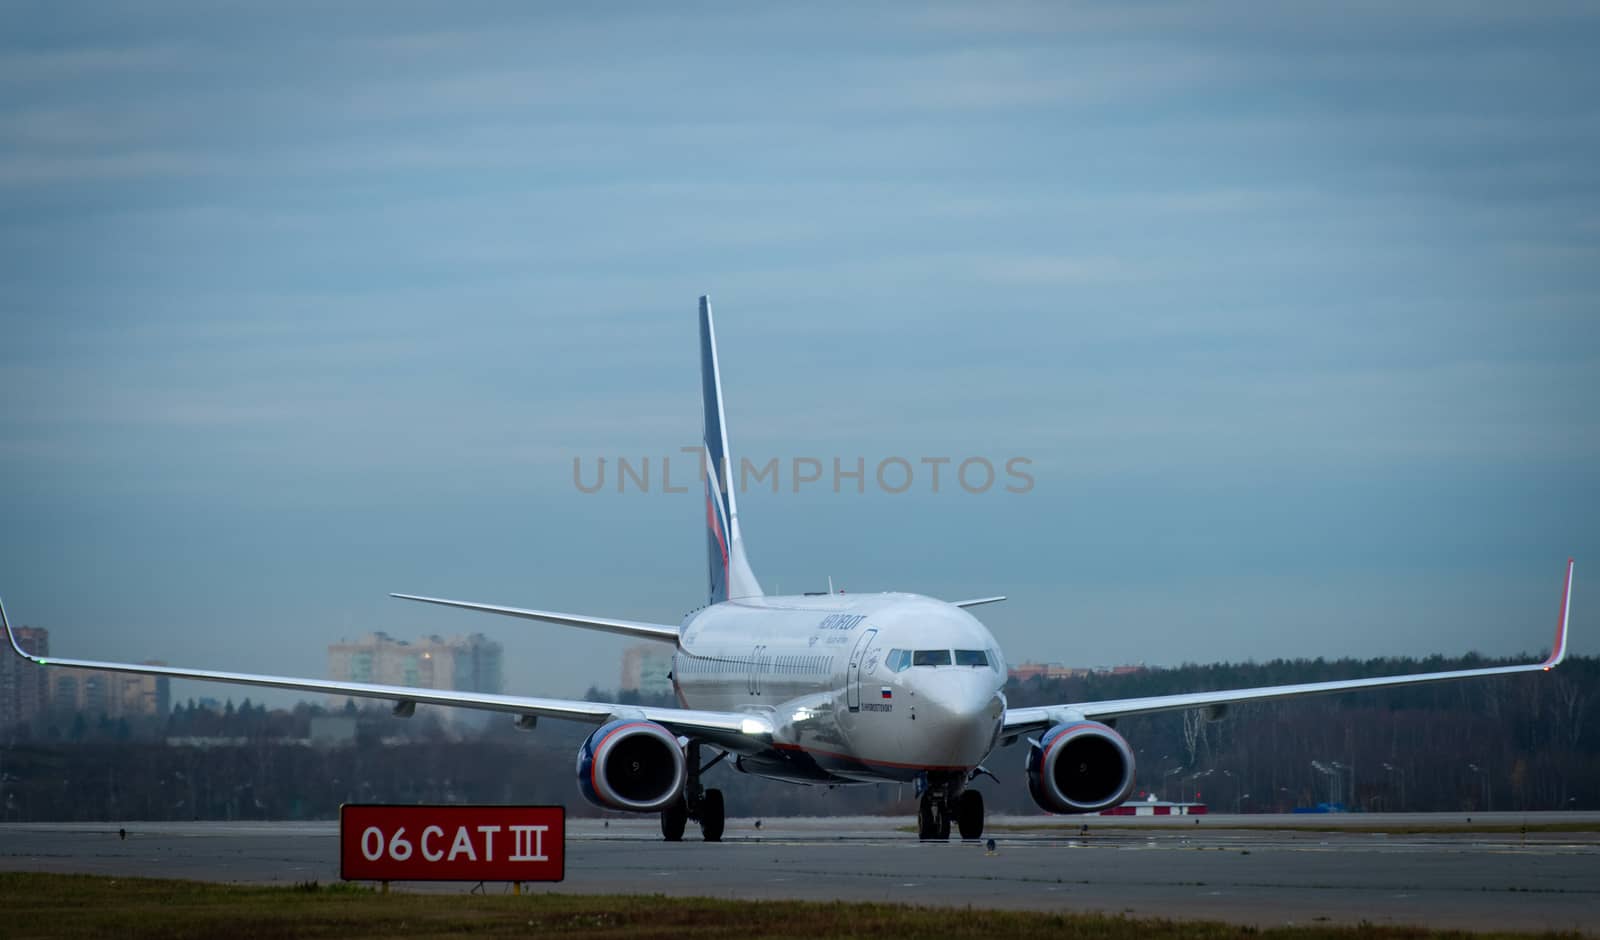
1244 869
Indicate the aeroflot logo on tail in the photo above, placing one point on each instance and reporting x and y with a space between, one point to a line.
893 475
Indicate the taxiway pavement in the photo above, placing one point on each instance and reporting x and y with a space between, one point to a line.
1252 869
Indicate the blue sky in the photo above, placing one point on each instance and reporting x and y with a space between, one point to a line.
1293 311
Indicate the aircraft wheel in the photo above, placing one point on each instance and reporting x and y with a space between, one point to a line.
933 823
673 820
711 816
969 814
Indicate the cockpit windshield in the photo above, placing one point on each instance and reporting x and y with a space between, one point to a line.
899 660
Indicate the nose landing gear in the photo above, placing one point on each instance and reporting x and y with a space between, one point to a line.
941 802
933 817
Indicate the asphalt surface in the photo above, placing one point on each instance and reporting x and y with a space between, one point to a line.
1246 869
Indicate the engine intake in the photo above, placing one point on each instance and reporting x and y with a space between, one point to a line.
1080 767
631 765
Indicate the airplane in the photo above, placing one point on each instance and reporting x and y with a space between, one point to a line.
820 689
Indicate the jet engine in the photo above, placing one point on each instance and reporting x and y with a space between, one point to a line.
1080 767
631 765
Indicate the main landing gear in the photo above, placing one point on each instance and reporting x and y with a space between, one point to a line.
933 817
944 800
697 803
969 814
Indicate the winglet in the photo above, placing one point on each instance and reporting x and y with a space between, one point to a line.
1558 650
978 601
12 637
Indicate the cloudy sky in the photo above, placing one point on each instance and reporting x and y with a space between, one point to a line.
1295 314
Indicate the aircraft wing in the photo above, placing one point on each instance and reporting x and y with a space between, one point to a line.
733 730
1027 720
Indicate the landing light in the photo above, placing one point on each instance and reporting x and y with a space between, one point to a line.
752 726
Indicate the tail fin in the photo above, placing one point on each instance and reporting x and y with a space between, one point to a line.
731 577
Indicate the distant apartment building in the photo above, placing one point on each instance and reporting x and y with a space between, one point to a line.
1023 672
465 664
112 694
645 667
24 686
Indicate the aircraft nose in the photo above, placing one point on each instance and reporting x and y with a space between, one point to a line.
966 708
961 695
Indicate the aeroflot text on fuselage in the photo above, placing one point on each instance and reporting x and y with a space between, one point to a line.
892 475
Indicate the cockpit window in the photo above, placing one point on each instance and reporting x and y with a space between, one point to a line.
897 660
930 658
971 658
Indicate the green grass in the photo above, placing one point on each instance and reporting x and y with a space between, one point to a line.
38 905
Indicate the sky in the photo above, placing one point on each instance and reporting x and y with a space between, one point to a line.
1292 313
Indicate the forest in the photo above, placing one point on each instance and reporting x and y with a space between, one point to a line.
1519 743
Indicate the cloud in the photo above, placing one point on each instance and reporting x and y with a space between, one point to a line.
36 170
1007 79
21 67
1047 270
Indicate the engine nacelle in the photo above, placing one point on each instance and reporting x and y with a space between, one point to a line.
632 765
1080 767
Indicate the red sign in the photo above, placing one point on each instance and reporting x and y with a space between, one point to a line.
452 843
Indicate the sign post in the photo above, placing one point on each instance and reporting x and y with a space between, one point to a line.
452 843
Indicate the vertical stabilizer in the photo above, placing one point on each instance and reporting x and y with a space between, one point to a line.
731 577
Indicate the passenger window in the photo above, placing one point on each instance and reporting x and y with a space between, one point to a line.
971 658
930 658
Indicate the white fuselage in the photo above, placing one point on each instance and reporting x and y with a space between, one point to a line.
862 688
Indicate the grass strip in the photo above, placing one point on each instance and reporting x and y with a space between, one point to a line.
72 906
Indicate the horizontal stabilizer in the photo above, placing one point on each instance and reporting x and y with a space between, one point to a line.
633 628
979 601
